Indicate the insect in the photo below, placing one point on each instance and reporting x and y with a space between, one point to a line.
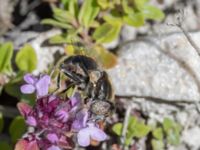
84 72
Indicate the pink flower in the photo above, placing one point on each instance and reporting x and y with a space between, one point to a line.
31 121
26 145
55 120
40 85
80 120
52 137
85 135
53 147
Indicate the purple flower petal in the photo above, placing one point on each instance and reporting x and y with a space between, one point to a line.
85 118
75 100
97 134
80 120
29 78
84 137
42 85
31 121
62 115
52 137
90 132
53 147
27 89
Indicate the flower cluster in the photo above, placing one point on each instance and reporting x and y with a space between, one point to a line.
54 121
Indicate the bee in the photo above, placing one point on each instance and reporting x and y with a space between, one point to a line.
84 73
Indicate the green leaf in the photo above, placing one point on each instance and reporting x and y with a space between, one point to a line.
28 98
139 4
65 2
152 12
88 12
141 130
13 90
172 130
173 137
113 19
17 128
158 133
63 16
137 129
58 39
64 38
73 7
131 124
171 124
26 59
117 128
134 19
128 6
56 23
94 24
106 33
157 144
167 124
103 3
128 141
1 122
5 146
69 50
103 56
6 53
12 87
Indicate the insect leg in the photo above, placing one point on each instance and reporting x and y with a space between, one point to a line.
72 76
57 83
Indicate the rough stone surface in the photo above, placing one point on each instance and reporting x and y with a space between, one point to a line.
191 137
128 33
165 66
45 54
6 9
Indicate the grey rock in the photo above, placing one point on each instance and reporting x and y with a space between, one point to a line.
191 137
164 4
6 9
164 66
45 54
20 38
128 33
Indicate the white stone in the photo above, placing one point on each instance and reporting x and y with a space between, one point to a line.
165 66
45 55
164 4
182 118
128 33
192 137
